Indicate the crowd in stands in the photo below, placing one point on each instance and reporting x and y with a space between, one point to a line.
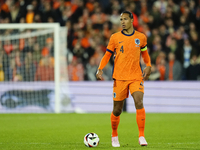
171 26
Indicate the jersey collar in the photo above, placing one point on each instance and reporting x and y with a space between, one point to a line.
128 34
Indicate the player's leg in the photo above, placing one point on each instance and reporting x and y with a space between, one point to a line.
140 111
140 115
137 90
115 118
138 99
120 92
117 107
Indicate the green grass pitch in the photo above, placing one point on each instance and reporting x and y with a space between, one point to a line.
66 131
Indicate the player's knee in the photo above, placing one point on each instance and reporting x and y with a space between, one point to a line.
117 111
139 104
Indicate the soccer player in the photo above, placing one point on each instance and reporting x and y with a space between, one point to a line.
127 46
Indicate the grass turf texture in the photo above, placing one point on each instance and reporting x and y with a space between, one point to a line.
66 131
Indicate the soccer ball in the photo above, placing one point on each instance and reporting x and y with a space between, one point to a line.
91 140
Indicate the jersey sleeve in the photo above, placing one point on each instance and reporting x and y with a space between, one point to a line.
104 60
144 43
144 52
109 51
146 58
111 45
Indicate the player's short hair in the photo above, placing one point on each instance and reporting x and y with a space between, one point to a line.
129 13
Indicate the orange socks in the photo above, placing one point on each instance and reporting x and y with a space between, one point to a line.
140 118
114 124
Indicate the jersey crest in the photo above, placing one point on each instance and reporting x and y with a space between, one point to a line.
137 41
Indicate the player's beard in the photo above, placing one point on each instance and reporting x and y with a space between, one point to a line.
126 29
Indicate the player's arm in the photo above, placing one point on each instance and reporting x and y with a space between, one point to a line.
147 61
106 57
103 63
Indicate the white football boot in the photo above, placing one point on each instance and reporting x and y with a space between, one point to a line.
142 141
115 141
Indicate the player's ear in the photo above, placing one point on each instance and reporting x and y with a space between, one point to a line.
132 20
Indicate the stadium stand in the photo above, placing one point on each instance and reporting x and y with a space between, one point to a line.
172 28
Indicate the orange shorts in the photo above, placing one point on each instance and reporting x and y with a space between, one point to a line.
121 88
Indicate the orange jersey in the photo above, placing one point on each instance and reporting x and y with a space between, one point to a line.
127 50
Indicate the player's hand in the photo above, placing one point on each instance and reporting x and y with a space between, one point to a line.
146 73
99 74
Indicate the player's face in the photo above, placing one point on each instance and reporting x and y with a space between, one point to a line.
126 21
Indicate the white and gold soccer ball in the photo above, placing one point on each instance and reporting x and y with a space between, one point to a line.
91 140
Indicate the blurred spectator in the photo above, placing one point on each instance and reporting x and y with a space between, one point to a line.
173 47
154 12
193 70
1 73
174 6
22 20
8 60
47 12
192 27
8 47
22 8
77 12
28 45
115 17
82 39
161 64
6 66
29 68
173 68
169 38
36 54
45 70
155 74
98 54
150 43
192 8
144 7
106 30
15 12
37 18
18 64
1 63
91 69
161 5
198 16
35 5
194 39
112 5
78 50
184 54
30 14
98 18
47 59
75 70
169 25
155 53
5 10
49 49
108 70
163 34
